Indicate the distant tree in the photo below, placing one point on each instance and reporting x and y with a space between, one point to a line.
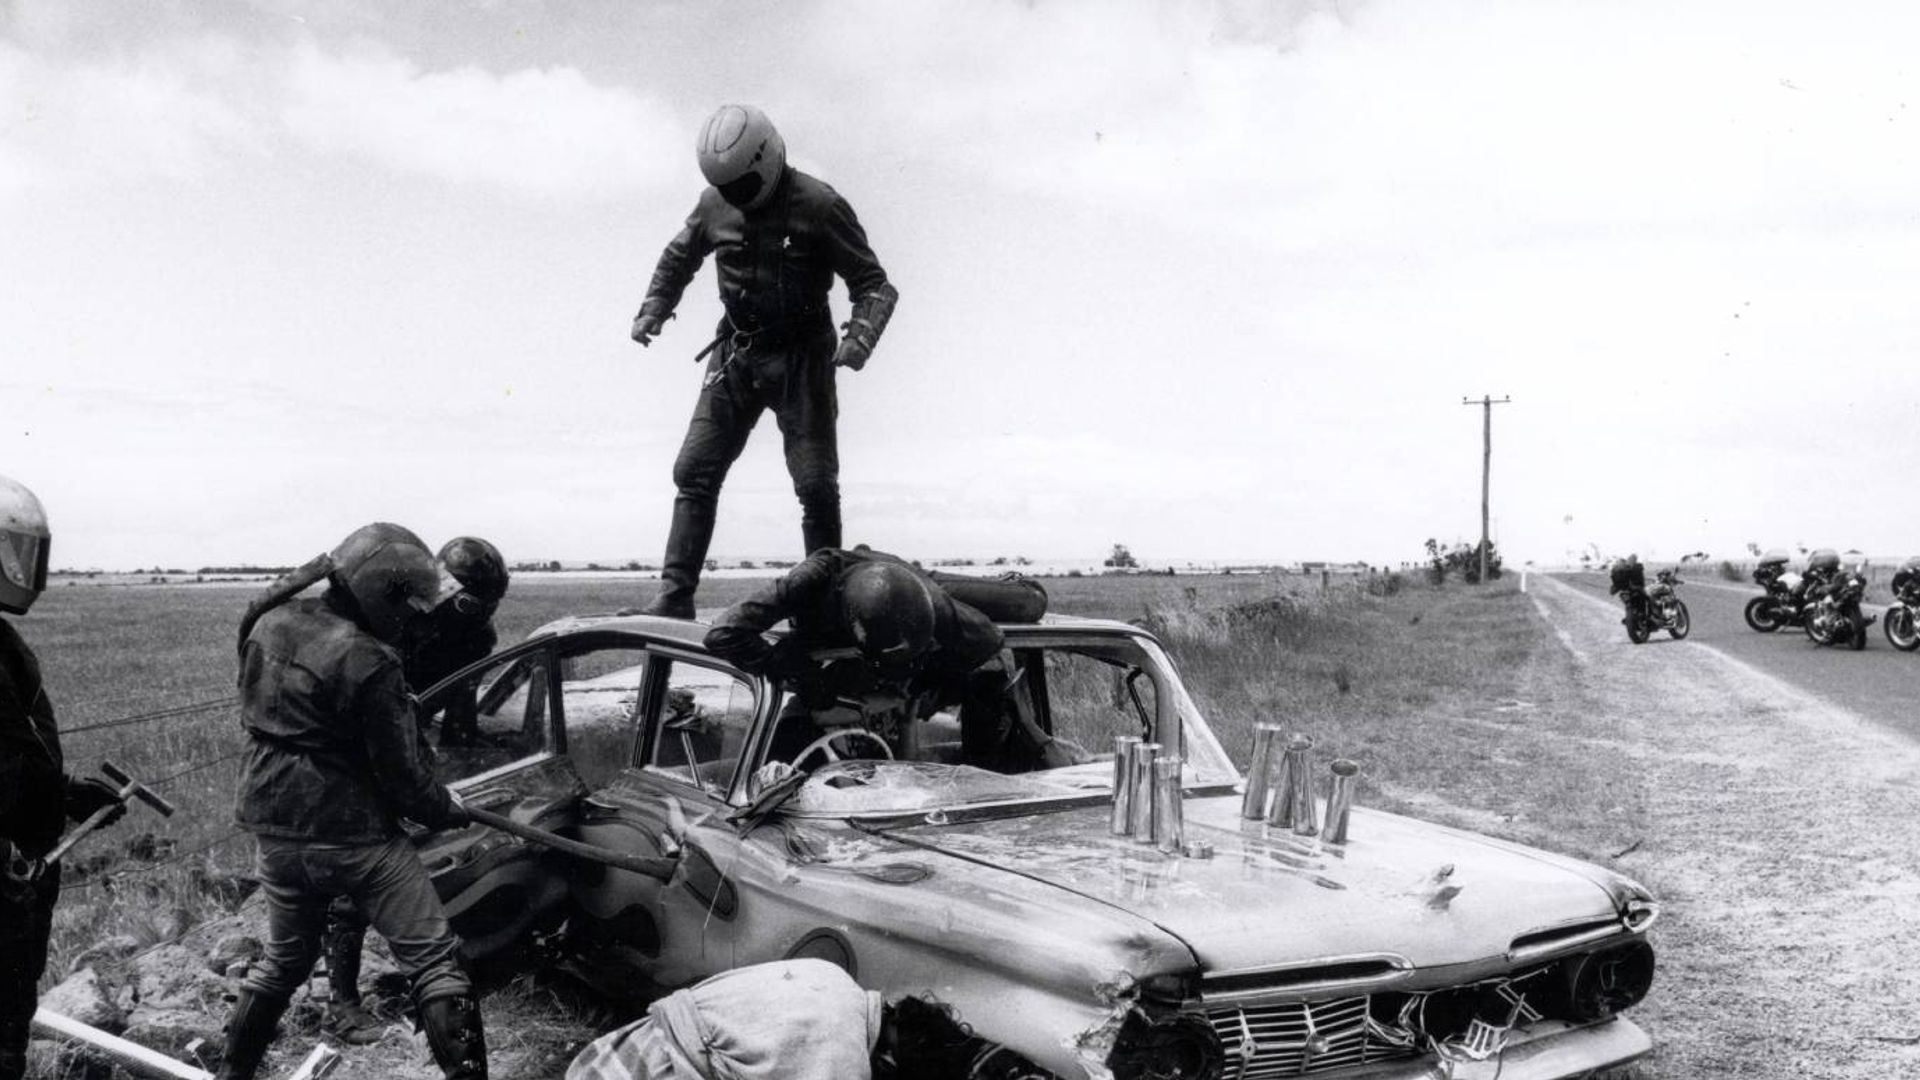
554 565
1753 549
1121 559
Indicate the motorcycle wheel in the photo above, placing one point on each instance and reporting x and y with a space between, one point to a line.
1638 631
1900 629
1682 623
1761 616
1814 633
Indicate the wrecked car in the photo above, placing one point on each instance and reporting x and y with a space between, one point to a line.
1008 889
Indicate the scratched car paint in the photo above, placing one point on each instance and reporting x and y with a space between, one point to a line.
1411 950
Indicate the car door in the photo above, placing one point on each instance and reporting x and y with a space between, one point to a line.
693 731
497 740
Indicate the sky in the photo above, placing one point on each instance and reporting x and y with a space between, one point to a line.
1209 279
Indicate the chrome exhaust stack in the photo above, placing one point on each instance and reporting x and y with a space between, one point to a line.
1142 805
1340 799
1293 797
1169 817
1261 770
1125 748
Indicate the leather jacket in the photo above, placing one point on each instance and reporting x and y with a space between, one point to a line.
336 753
33 783
775 264
810 596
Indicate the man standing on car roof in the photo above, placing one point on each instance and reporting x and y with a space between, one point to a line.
907 636
36 795
335 760
779 237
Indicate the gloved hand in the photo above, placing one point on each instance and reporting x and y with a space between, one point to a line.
646 328
787 661
17 873
852 353
86 796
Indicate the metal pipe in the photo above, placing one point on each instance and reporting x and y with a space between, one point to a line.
132 1055
1340 799
651 866
1169 817
1124 749
1260 772
1294 775
1140 825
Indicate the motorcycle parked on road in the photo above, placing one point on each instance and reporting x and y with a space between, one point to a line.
1902 621
1835 618
1785 602
1662 609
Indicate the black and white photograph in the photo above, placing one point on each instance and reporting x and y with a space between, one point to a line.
959 540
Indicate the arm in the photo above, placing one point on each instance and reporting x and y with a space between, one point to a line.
873 296
737 635
22 751
678 264
402 766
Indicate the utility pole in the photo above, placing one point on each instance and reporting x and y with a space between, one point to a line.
1486 403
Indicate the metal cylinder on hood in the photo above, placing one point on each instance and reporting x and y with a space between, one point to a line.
1261 769
1169 816
1141 823
1125 748
1340 799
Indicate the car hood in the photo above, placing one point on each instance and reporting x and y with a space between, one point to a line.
1401 889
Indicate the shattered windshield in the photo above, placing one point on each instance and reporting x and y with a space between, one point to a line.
1040 723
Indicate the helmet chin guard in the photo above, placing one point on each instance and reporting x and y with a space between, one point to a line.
741 155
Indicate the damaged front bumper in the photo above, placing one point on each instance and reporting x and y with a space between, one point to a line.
1548 1050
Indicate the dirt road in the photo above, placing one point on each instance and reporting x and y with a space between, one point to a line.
1781 844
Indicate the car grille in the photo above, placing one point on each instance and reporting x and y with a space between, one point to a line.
1298 1038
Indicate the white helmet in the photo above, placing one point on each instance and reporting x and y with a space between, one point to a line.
741 155
24 544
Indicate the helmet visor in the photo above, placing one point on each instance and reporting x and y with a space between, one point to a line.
23 559
742 189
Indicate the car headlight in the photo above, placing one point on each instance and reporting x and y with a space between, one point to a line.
1181 1046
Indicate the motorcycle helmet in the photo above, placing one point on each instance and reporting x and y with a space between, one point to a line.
890 611
391 577
1823 560
741 155
479 568
1774 557
1911 564
25 543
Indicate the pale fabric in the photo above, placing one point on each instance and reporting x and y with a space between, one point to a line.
787 1020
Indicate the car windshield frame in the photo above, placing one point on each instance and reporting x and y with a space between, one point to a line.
869 789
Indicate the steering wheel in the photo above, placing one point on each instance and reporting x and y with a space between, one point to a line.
824 746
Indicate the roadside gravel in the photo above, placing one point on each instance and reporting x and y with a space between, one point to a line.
1780 841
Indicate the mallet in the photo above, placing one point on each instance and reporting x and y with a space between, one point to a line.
127 787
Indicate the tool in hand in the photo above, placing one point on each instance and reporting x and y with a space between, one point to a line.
125 787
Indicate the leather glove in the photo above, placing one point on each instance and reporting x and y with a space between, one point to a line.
84 797
17 873
646 328
852 353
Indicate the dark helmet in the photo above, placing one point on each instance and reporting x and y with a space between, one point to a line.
25 543
1911 564
391 576
890 611
477 566
741 155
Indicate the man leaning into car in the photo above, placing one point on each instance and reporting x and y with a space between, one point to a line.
912 642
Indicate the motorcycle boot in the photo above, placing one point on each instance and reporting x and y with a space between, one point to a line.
687 541
820 528
455 1035
249 1033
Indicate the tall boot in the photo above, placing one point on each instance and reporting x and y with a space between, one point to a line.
820 527
249 1033
454 1033
686 556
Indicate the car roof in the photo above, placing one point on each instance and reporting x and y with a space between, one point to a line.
692 632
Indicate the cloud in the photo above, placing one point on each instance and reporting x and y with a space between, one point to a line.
546 132
193 106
